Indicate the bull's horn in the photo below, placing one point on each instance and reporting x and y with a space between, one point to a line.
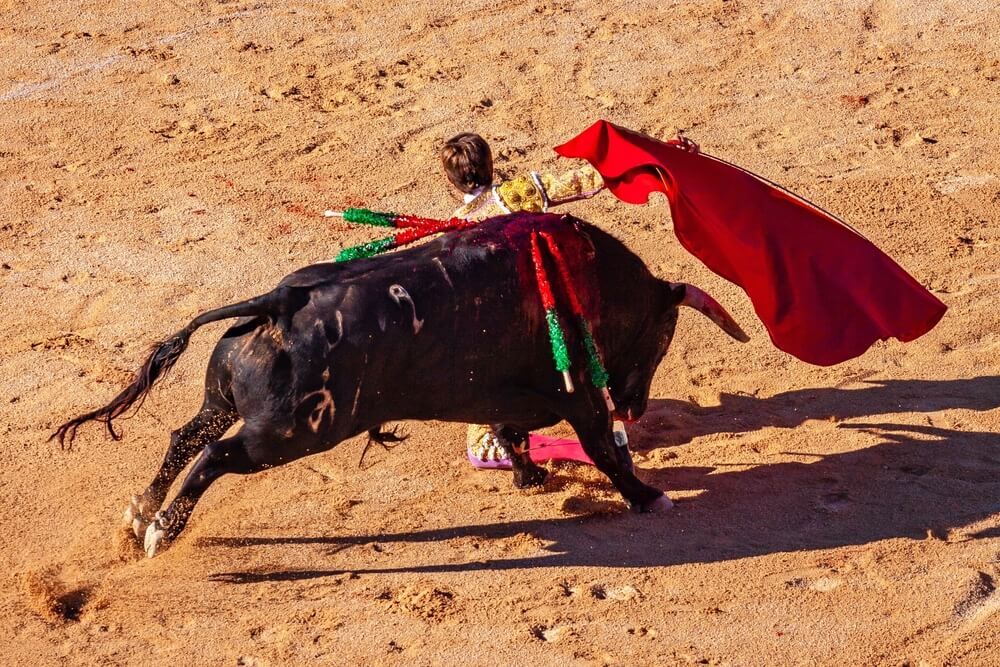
710 308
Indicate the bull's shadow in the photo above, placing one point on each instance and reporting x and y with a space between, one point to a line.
672 422
919 482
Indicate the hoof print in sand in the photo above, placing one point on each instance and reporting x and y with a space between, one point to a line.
58 603
427 601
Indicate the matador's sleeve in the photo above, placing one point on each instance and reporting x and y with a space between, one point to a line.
581 183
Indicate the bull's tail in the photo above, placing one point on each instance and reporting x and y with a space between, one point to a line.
710 308
161 359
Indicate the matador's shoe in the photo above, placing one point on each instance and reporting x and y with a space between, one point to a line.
488 449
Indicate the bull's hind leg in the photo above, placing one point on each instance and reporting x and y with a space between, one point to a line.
217 414
230 455
214 418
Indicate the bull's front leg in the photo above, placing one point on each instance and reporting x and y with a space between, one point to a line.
526 472
593 427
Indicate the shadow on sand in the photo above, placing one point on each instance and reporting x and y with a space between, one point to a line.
918 482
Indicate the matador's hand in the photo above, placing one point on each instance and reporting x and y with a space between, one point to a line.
685 143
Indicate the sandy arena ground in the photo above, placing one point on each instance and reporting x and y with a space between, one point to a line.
162 158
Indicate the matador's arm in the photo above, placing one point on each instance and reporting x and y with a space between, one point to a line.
534 193
570 186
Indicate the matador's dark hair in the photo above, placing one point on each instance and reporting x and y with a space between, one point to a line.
468 162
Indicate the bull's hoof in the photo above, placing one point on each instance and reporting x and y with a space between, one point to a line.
657 506
531 477
134 520
156 534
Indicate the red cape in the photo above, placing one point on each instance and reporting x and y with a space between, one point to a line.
824 292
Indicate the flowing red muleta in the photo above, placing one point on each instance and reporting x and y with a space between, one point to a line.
824 291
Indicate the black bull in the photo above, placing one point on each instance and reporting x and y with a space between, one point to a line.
452 330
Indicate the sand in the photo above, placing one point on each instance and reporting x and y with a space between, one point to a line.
161 158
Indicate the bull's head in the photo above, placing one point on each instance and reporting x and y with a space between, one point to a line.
639 353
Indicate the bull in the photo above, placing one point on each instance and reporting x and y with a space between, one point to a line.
452 330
